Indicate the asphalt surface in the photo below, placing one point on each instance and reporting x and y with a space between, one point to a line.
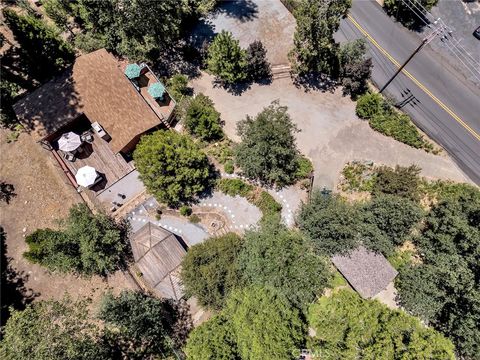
433 75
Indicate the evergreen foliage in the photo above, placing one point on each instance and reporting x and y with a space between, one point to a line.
258 67
172 167
355 68
40 44
226 60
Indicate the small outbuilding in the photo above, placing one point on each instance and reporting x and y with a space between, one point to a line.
158 254
367 272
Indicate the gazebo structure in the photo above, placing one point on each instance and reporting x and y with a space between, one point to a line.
367 272
158 254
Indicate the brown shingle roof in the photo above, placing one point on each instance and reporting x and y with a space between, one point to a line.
95 86
158 254
368 272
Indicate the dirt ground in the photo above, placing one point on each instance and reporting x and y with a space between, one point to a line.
43 195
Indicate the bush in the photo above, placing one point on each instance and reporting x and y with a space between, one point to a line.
401 181
89 42
202 120
258 67
234 187
355 68
229 167
384 119
369 105
269 207
304 168
185 210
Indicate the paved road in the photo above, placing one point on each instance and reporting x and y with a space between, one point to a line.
444 98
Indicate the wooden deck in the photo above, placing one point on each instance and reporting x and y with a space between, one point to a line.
99 155
164 108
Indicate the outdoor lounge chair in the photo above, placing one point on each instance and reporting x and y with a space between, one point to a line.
87 137
68 156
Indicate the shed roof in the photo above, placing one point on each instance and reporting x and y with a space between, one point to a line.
158 255
368 272
96 86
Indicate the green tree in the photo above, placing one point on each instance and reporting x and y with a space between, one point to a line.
87 243
331 223
172 167
394 215
8 93
268 151
59 11
258 67
264 323
213 340
226 60
403 12
202 120
348 327
315 50
282 259
444 288
177 86
139 326
51 330
401 181
210 271
40 44
355 68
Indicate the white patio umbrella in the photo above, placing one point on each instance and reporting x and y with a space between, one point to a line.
86 176
69 141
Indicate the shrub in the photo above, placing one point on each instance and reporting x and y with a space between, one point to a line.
304 169
269 207
401 181
229 167
369 105
234 187
185 210
258 67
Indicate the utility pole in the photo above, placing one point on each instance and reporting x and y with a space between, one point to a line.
424 42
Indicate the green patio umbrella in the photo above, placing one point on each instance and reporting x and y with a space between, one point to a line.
132 71
156 90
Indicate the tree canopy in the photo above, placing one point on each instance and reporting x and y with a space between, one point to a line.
86 243
256 322
210 270
258 67
226 59
355 68
404 14
348 327
139 326
444 288
172 167
51 330
268 152
40 44
202 120
276 257
315 50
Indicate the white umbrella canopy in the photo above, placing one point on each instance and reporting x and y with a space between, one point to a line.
69 141
86 176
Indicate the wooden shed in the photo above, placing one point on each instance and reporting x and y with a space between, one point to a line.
158 254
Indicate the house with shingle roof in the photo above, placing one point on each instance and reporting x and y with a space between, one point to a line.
366 271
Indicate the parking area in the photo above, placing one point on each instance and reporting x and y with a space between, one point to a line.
250 20
330 132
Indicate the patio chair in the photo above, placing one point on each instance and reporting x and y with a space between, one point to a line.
87 137
69 157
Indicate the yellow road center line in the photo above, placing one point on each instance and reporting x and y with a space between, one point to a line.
411 77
